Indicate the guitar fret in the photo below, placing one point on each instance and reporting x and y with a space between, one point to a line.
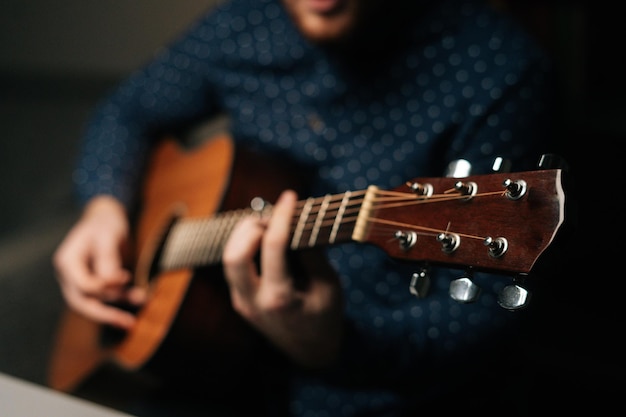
193 241
339 217
319 220
210 238
214 250
174 245
196 237
183 249
360 227
213 232
193 235
297 234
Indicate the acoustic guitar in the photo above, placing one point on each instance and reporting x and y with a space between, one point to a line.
192 199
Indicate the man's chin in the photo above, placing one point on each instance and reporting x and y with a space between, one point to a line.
327 30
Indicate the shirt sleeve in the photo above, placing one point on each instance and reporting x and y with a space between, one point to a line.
168 95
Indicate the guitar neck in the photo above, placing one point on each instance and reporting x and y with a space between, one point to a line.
317 221
494 222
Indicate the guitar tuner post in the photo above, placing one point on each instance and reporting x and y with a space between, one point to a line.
469 188
449 241
497 247
406 240
515 189
421 190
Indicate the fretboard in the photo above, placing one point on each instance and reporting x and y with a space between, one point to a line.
327 220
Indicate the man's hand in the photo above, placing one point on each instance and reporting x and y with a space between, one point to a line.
89 264
304 319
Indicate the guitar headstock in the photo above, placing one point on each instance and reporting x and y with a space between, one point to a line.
498 222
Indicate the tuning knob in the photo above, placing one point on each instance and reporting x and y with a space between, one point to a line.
501 165
464 290
552 161
458 169
513 297
420 283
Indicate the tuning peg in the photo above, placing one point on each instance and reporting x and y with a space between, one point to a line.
552 161
514 296
421 190
468 188
515 189
406 240
501 165
420 283
497 246
458 169
449 241
464 290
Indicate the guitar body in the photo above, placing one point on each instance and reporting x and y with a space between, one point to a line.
188 325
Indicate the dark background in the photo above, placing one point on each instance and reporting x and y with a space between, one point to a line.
56 60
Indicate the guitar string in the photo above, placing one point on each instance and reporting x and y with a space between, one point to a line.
195 241
400 199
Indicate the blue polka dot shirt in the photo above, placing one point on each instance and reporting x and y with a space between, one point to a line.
462 83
